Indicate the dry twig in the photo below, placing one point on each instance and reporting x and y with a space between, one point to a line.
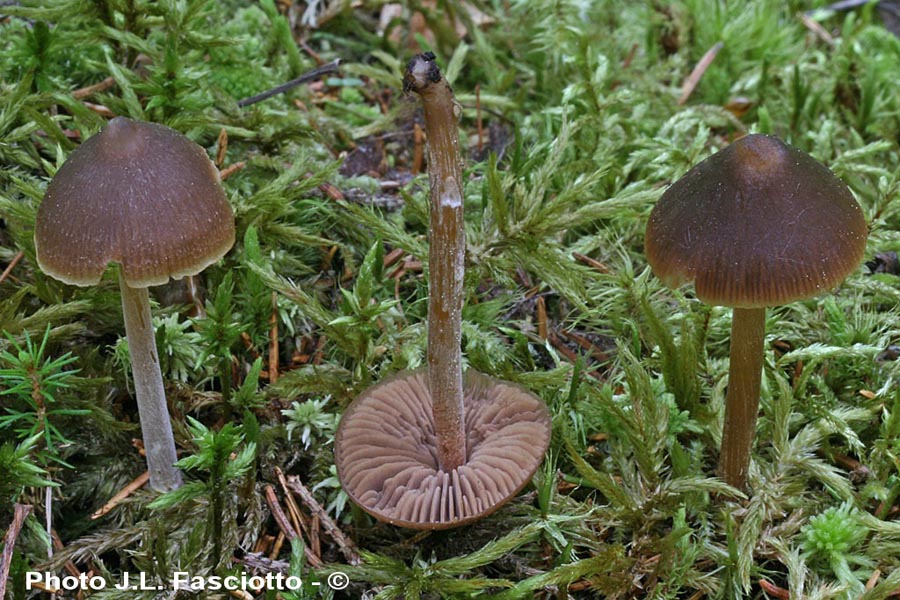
593 263
273 340
873 580
277 545
126 491
305 78
541 307
221 148
418 149
297 517
773 590
266 565
12 264
346 545
278 513
287 529
100 109
697 74
478 123
585 344
231 170
817 29
58 546
88 91
20 512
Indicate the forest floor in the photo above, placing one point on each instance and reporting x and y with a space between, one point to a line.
575 117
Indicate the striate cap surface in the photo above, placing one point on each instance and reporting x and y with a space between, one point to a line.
757 224
139 194
386 451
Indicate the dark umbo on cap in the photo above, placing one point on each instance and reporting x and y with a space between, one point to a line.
757 224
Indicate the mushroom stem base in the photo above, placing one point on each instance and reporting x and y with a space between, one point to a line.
748 331
159 443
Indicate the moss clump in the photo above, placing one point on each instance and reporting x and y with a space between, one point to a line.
834 532
241 68
831 538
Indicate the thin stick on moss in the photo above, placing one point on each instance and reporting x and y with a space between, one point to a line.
445 258
307 77
20 513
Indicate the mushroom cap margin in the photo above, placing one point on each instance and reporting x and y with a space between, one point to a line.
757 224
139 194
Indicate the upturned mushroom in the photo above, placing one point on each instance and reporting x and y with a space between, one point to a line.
433 449
146 197
758 224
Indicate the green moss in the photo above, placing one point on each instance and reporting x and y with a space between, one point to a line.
834 533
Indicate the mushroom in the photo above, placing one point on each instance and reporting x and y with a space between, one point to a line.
148 198
433 449
758 224
386 449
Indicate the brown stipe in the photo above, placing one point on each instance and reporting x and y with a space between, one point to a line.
445 257
748 332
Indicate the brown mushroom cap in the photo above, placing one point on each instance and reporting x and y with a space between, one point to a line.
386 452
757 224
139 194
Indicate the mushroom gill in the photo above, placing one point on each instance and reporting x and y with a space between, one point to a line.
388 451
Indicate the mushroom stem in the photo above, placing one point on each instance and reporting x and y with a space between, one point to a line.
445 259
748 331
159 443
